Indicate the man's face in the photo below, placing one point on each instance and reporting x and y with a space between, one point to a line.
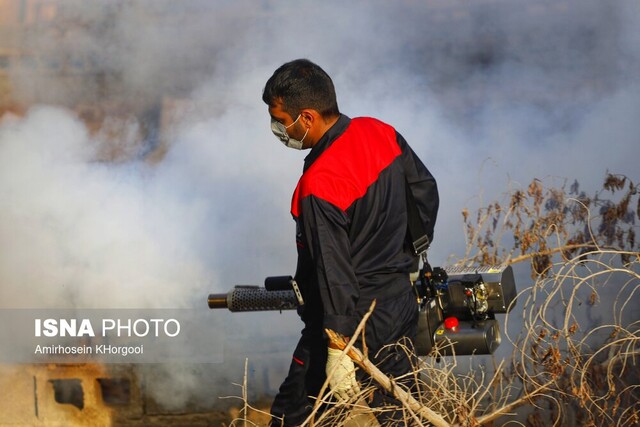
295 127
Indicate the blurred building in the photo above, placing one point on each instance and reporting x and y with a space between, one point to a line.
45 59
17 19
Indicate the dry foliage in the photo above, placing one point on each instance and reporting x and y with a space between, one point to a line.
581 337
536 223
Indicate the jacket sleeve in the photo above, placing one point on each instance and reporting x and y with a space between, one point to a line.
422 185
325 232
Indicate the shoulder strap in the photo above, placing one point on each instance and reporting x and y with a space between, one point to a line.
419 237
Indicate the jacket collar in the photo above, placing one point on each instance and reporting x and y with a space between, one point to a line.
327 139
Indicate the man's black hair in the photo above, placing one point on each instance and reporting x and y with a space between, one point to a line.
301 84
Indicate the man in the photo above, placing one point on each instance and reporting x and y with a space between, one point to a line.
350 208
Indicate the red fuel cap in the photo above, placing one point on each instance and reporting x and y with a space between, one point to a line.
451 323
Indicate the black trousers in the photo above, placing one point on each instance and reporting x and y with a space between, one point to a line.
392 320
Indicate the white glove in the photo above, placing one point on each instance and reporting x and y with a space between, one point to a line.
343 381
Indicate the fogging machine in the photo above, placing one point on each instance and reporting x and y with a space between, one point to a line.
457 306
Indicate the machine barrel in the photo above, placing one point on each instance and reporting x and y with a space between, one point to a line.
254 298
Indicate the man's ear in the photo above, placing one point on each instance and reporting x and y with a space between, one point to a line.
309 116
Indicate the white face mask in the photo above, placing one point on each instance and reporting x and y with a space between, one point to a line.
280 131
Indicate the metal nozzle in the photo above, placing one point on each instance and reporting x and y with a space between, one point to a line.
217 301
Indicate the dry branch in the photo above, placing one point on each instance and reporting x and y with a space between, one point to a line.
512 405
403 396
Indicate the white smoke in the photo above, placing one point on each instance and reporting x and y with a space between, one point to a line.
77 233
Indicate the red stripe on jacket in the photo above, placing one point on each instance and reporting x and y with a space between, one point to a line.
344 172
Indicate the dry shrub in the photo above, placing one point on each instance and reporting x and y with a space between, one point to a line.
540 222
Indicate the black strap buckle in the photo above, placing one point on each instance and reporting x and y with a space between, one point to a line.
421 245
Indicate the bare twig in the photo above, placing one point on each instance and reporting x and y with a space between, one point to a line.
245 409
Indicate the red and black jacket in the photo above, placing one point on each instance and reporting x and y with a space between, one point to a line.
351 213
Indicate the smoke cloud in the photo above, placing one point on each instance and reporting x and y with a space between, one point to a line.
488 94
78 233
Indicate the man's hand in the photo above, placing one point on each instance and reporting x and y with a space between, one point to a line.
343 381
